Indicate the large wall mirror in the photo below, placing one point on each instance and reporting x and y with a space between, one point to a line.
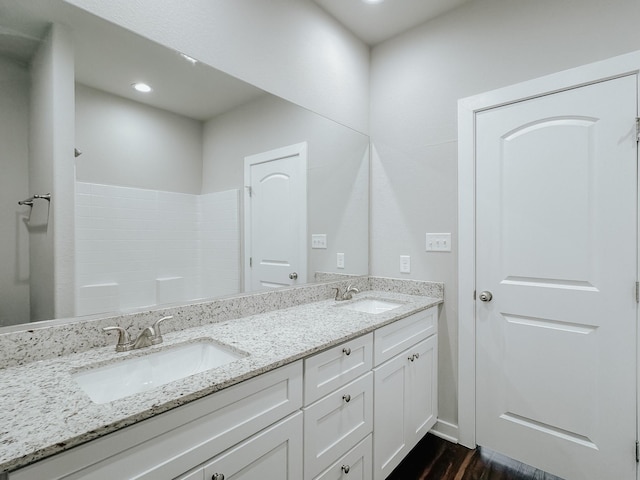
166 189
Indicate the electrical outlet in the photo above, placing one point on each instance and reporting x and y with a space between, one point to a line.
319 240
438 242
405 264
340 262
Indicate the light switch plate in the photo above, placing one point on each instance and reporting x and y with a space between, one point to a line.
340 262
405 264
319 240
438 242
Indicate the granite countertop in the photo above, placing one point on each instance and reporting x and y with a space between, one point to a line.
45 412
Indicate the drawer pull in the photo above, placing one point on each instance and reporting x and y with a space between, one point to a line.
346 468
414 357
346 351
218 476
346 397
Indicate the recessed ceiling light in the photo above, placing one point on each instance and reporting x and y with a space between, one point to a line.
141 87
373 2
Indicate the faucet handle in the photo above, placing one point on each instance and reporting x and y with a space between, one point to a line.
123 337
156 325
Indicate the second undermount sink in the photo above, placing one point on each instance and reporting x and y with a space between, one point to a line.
138 374
372 305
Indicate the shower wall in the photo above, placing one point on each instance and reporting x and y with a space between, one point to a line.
139 248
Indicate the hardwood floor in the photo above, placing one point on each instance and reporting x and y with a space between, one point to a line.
437 459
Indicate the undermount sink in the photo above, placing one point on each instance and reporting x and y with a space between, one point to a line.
371 305
138 374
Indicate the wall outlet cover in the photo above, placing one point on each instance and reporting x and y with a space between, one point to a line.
340 261
405 264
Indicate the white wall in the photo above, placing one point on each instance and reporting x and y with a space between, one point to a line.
14 186
131 144
416 80
337 177
291 48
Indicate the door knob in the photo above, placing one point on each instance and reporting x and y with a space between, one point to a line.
293 276
485 296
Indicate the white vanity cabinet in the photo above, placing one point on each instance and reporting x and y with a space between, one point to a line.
352 411
336 422
405 385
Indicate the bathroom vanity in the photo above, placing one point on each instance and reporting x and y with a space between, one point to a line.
321 390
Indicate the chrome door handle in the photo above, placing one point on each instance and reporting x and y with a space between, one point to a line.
485 296
293 276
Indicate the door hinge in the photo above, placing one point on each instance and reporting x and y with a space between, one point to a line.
637 129
474 295
637 452
637 292
250 262
249 190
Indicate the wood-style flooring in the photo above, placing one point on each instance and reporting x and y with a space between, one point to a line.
437 459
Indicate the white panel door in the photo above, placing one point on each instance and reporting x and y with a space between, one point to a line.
556 210
276 218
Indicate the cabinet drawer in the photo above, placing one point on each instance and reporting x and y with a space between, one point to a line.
336 423
273 453
356 464
331 369
398 336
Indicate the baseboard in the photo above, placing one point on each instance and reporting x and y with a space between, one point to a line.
446 431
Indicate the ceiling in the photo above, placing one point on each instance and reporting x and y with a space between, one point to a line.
374 23
110 58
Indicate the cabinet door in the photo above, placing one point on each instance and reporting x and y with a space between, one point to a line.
356 464
422 381
405 404
390 415
274 453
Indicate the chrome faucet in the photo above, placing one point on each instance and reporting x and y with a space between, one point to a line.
149 336
348 293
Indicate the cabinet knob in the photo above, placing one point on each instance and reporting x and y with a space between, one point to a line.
346 468
218 476
346 351
346 398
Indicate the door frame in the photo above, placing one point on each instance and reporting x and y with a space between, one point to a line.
300 150
620 66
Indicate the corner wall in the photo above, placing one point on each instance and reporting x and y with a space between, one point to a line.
51 170
14 186
416 80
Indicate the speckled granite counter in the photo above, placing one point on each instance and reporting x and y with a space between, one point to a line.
45 412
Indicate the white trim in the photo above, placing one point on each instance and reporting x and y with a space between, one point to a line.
445 430
628 64
297 149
